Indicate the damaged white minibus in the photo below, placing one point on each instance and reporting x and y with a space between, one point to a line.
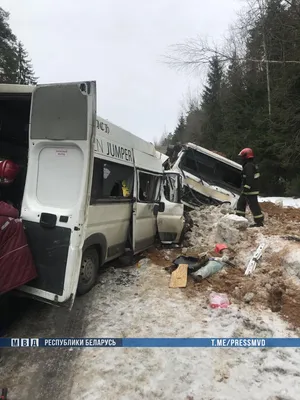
90 191
208 178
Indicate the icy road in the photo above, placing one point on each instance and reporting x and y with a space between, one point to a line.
128 302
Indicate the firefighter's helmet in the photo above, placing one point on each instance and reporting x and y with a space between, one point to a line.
246 153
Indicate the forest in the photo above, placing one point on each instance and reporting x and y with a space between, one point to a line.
252 93
15 65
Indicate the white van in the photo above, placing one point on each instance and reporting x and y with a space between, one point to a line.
92 189
208 178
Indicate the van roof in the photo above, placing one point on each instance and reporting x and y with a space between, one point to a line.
116 133
11 88
120 135
214 155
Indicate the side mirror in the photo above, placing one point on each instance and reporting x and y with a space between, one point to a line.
161 207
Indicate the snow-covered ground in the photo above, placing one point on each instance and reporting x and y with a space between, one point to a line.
283 201
131 302
148 308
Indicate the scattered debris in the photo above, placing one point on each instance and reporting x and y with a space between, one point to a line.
205 265
210 268
179 277
171 268
218 300
194 263
144 262
279 266
254 259
290 237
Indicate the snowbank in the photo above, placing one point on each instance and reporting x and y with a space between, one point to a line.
283 201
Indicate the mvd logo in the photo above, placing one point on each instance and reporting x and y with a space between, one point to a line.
24 342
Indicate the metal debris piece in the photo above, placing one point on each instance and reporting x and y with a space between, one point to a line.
254 259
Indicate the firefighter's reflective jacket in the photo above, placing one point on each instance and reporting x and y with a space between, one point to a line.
250 178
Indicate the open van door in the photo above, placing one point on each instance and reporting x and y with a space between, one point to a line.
170 219
145 209
58 185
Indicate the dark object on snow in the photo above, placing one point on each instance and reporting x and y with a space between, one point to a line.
260 225
198 279
171 268
16 262
290 237
192 262
276 299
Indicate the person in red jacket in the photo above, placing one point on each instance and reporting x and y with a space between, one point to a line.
16 262
11 187
250 188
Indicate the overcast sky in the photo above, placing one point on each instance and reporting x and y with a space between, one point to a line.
119 44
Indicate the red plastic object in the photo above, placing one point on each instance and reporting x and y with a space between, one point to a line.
219 247
218 300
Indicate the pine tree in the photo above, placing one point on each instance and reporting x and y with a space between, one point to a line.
25 73
179 131
236 111
211 105
8 55
15 67
194 123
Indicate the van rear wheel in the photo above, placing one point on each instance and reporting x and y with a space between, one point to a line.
88 271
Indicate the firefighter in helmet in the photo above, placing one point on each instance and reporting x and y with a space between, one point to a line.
250 188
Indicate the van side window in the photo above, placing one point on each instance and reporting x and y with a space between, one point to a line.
149 187
111 181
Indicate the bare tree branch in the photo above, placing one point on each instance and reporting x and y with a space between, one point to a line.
195 54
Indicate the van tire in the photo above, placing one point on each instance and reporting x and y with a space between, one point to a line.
88 271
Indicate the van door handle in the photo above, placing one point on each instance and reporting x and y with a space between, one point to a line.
48 220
